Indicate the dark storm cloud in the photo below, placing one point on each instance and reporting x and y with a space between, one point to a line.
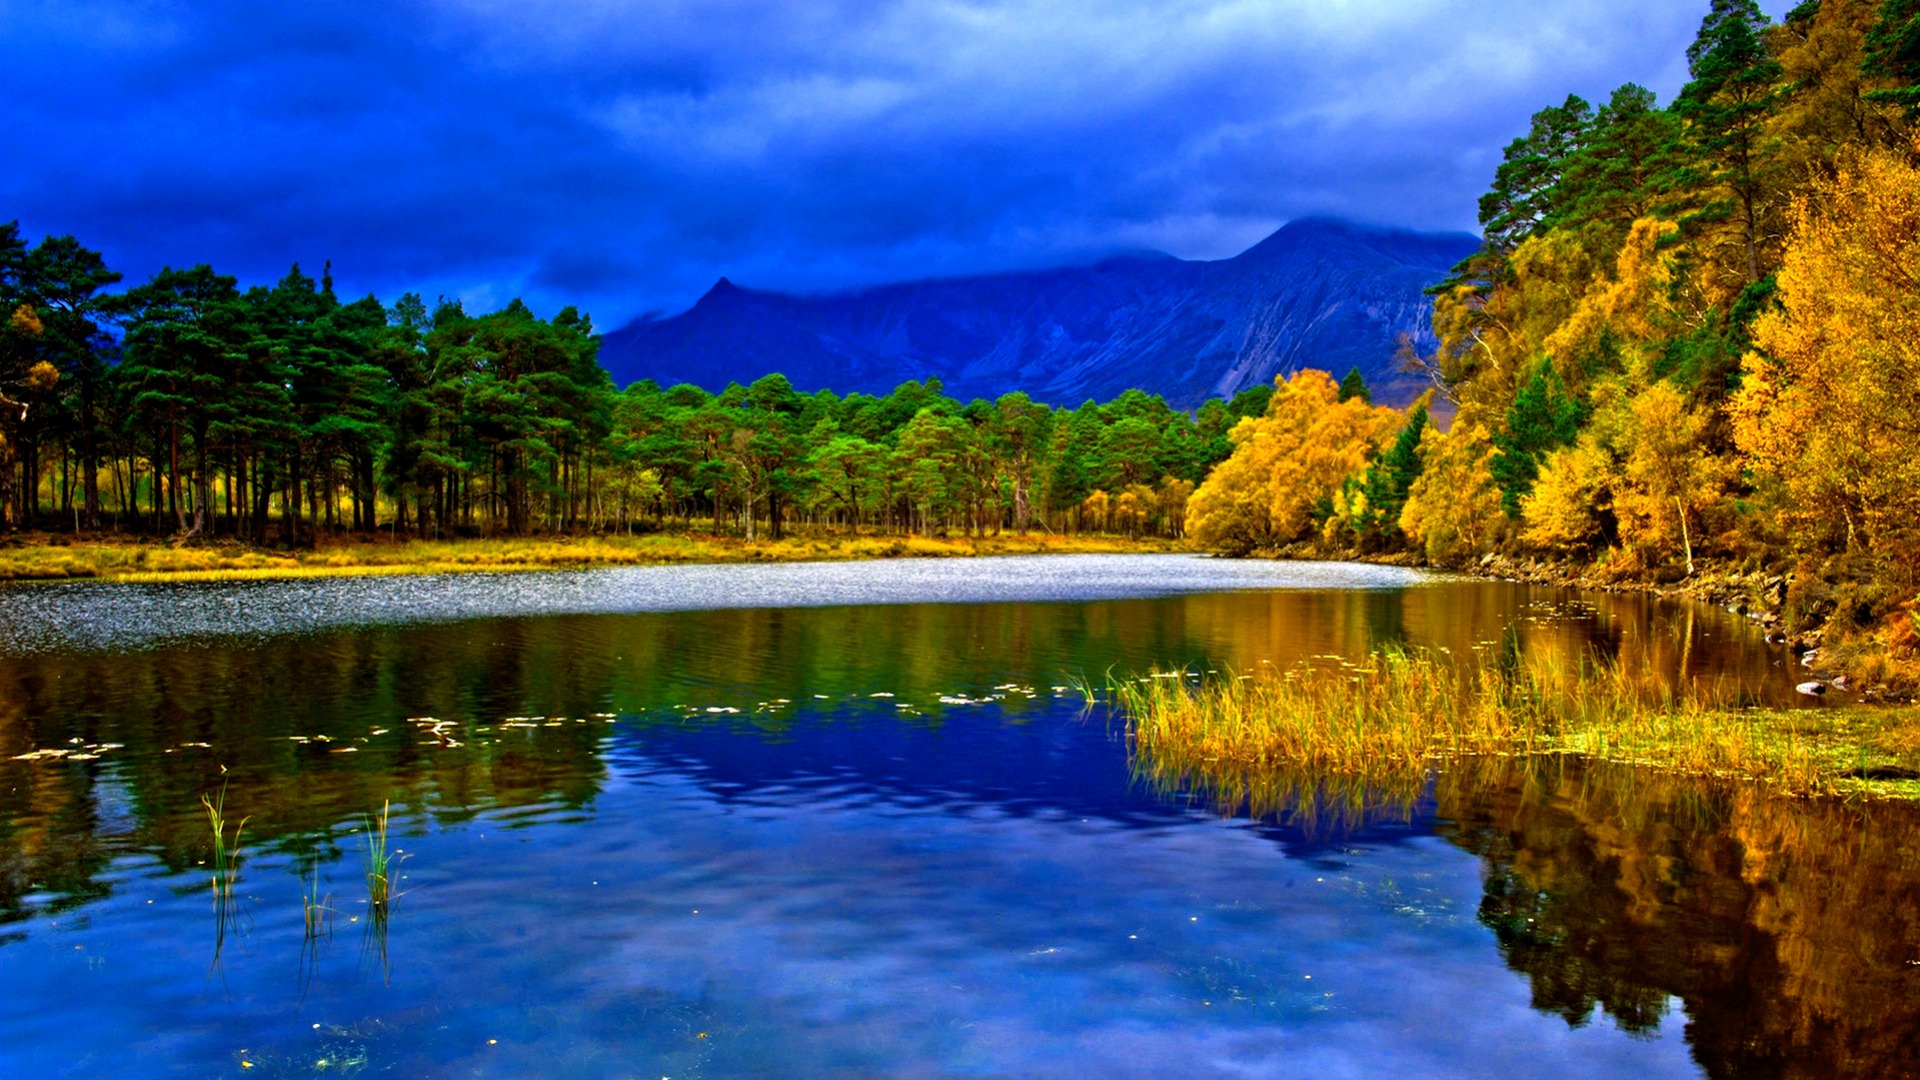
623 155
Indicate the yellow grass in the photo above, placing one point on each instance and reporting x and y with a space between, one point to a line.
1388 720
127 561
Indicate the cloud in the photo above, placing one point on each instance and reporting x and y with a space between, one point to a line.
623 155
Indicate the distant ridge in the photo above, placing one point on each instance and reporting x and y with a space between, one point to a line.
1317 293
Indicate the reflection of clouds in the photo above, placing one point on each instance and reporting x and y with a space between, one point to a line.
837 938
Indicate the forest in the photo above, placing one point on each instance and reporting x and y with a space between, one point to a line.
186 406
1693 334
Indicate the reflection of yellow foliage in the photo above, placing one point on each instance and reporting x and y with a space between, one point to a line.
1831 398
1453 509
1286 463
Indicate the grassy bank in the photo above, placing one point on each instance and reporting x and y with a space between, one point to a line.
52 558
1388 720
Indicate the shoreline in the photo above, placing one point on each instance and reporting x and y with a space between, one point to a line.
46 558
1857 666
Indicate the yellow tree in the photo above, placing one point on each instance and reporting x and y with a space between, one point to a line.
1453 508
1830 403
1287 465
1669 477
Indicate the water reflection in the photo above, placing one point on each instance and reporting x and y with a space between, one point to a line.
310 730
1787 931
885 839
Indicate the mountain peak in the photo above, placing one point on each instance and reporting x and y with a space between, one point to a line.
1319 292
1317 232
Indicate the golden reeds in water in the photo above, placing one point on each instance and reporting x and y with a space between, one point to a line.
1386 720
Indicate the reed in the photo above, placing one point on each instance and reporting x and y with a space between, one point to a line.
230 561
226 853
381 864
1387 720
317 907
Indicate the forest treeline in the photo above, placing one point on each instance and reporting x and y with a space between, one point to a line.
187 405
1694 331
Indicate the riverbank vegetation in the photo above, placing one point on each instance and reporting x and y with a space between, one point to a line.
57 558
1384 722
1689 341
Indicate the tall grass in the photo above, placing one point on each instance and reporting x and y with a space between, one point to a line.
1387 720
317 907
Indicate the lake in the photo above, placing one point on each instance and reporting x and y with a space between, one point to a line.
859 820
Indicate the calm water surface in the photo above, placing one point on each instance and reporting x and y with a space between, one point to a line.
851 820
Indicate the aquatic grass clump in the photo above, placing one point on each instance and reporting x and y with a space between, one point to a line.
226 853
381 864
1386 722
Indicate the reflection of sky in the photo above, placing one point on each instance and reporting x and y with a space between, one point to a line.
824 934
886 885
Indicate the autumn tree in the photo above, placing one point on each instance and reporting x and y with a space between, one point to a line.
1287 465
1830 405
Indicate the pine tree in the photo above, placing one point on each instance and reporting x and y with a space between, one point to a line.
1726 164
1544 416
1893 54
1354 385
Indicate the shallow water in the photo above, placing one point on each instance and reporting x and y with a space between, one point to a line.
852 820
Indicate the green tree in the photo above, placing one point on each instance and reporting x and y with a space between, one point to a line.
63 282
1354 385
1527 196
1544 416
1892 54
1726 165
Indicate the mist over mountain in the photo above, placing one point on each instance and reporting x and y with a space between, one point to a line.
1317 293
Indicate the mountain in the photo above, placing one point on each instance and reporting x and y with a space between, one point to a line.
1317 293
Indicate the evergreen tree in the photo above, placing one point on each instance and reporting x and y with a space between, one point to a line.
1725 165
1389 479
1893 54
1527 194
1354 385
1544 415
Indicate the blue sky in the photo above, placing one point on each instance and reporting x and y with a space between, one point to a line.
622 156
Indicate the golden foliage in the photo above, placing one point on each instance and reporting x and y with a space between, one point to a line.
26 321
1830 403
1453 509
1286 464
1820 57
1631 304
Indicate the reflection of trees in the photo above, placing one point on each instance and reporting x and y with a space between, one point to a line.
348 694
1788 929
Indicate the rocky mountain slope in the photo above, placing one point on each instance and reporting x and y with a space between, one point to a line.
1317 293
